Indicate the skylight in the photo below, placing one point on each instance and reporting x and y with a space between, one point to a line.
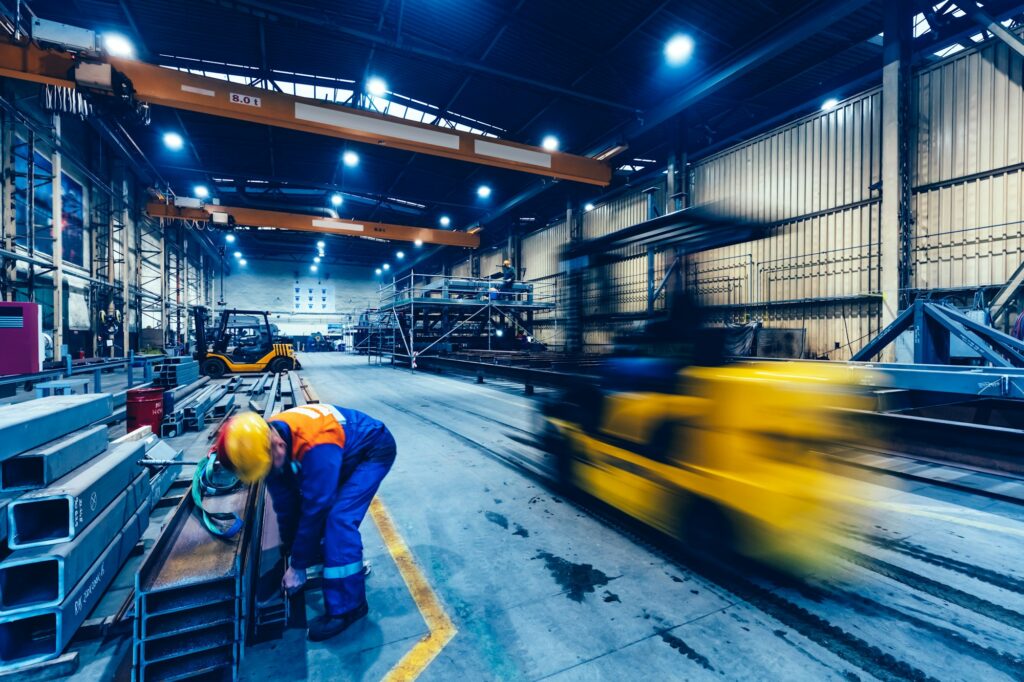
337 91
922 27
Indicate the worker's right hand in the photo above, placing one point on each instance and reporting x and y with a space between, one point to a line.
293 580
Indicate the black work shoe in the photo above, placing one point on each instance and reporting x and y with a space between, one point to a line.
327 626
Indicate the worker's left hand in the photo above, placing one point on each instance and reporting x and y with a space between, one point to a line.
293 580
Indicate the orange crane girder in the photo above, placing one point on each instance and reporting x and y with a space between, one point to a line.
179 90
253 217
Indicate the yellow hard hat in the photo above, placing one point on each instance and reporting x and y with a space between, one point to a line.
244 446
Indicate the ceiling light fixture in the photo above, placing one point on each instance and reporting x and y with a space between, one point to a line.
118 45
377 87
174 141
678 49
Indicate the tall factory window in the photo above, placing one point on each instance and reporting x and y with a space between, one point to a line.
37 223
73 220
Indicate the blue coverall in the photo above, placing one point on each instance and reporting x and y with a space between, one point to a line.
324 491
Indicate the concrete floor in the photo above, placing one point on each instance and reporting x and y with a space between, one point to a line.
539 589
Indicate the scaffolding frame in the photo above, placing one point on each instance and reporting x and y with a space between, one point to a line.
421 315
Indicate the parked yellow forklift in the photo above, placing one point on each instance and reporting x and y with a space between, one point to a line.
243 342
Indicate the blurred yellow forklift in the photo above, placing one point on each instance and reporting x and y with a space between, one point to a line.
243 342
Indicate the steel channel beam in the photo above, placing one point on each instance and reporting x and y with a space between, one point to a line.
5 500
192 666
527 375
34 422
995 382
61 511
41 634
40 577
991 447
189 567
186 644
41 466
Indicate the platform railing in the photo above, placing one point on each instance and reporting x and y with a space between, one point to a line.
415 288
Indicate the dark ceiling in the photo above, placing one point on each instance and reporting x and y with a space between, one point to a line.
588 71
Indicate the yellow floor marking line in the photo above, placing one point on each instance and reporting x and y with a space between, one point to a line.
442 630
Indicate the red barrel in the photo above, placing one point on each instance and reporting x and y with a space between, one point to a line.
145 407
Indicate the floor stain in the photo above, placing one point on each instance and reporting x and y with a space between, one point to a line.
576 579
685 649
520 531
495 517
497 501
611 596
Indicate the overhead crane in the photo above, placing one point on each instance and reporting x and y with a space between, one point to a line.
153 84
252 217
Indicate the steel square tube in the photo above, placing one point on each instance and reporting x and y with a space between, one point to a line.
41 634
59 512
34 422
41 466
41 576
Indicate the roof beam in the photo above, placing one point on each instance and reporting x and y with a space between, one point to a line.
318 21
794 30
178 90
991 25
254 217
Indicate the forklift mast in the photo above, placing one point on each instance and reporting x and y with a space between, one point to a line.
199 320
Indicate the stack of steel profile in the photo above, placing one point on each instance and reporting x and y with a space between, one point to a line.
79 509
173 422
189 410
194 592
175 371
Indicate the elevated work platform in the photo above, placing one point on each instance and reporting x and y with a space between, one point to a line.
438 314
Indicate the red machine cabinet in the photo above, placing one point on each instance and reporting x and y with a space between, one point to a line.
21 333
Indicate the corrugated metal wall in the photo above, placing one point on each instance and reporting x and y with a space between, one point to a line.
624 210
619 290
490 262
812 179
541 264
968 174
463 268
539 253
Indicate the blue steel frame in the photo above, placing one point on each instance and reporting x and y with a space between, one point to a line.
933 324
